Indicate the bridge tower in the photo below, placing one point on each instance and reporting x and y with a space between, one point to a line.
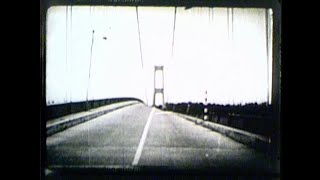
158 90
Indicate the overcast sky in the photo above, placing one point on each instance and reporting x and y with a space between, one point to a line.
222 54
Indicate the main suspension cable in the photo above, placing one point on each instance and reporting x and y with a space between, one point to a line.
174 27
139 37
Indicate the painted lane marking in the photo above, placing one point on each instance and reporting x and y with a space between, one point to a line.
160 113
143 139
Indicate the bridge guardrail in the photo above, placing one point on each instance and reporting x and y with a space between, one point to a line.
62 123
252 140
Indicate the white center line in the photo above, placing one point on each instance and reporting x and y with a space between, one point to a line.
143 139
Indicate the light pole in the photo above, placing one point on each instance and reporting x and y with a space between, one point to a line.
92 41
89 69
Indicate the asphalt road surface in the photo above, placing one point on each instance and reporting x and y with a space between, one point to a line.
141 136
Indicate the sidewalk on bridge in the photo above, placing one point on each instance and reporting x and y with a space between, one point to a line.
58 124
253 140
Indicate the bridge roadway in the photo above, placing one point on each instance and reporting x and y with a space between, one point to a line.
141 136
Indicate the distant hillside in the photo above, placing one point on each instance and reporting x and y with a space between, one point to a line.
246 109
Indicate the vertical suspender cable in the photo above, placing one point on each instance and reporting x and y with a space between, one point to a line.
267 49
140 47
209 13
139 37
173 33
66 50
174 28
92 41
228 22
91 56
70 72
232 14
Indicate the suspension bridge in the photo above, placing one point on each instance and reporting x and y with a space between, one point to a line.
130 134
